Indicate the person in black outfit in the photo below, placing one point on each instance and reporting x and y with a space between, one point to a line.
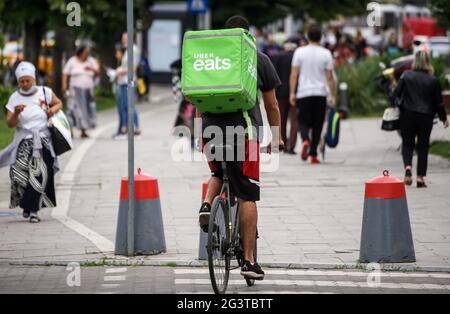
282 63
420 98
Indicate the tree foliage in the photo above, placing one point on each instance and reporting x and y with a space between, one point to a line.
441 10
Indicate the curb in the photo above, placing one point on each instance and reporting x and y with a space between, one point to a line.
197 263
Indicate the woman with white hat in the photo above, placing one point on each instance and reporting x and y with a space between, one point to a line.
31 155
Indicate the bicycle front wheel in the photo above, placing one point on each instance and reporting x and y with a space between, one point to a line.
218 246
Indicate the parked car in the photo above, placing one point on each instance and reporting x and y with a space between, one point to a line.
440 46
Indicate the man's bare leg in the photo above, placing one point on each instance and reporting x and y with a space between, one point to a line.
248 217
214 186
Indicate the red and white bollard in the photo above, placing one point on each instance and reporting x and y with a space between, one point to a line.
148 223
386 229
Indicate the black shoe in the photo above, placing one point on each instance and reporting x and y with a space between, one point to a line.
203 217
408 177
250 271
421 185
25 214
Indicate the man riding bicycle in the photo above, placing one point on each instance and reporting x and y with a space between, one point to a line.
243 174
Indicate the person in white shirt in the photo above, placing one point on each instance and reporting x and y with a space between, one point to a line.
311 83
81 71
122 81
31 155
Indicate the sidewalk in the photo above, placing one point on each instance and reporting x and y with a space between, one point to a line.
309 216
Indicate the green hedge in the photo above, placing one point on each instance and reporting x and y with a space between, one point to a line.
6 134
365 96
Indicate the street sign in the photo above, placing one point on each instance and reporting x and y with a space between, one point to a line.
198 6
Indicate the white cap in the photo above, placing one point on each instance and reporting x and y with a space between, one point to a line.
25 68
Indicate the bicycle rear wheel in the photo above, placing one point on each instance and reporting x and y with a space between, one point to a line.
218 246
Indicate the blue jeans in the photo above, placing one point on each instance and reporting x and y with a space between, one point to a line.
122 107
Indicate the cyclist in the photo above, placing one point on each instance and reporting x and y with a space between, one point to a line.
243 174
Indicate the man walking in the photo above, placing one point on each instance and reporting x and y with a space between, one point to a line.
282 63
312 78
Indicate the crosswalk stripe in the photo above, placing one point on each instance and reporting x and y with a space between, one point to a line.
116 270
299 272
115 278
312 283
110 286
258 292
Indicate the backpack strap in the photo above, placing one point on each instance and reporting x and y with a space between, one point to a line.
45 97
249 123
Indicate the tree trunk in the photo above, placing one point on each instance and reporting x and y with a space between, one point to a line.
32 46
63 50
106 54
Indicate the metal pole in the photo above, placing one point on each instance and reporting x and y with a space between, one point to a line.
208 19
130 50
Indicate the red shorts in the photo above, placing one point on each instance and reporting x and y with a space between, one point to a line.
243 173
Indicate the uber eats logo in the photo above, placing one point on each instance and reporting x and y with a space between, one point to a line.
210 62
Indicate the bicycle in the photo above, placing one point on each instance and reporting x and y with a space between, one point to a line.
224 241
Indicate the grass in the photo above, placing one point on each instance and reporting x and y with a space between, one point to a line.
105 103
6 134
441 148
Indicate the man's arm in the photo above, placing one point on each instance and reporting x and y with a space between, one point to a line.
273 114
295 72
331 87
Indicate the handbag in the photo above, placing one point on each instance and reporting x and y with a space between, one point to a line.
59 128
391 119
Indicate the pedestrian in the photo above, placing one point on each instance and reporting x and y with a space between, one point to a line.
271 48
78 83
360 45
420 99
122 82
311 83
31 156
392 48
343 54
282 63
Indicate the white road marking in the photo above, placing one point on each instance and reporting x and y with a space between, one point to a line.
61 212
313 283
110 286
115 278
300 272
259 292
116 270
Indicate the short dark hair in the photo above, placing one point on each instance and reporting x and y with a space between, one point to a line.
80 49
315 33
237 21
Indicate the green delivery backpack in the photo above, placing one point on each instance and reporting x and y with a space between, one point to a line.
220 70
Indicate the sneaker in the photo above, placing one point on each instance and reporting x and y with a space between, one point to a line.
34 218
408 177
305 150
120 137
25 214
314 160
203 217
252 271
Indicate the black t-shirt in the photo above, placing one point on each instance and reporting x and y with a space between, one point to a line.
283 64
267 80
